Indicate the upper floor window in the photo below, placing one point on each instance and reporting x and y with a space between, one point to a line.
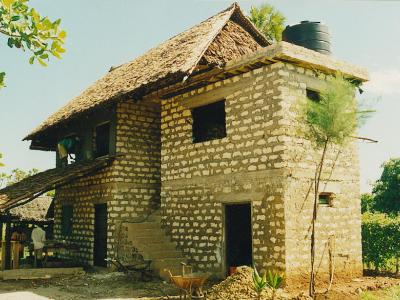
102 140
209 122
313 95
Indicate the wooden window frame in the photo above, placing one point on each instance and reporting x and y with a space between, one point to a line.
96 155
329 196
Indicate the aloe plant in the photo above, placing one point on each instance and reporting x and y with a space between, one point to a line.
259 282
270 279
274 281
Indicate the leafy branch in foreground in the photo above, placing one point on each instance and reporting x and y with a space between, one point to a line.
27 30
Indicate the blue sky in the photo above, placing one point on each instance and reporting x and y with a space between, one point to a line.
103 33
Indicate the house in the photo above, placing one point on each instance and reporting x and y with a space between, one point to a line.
190 152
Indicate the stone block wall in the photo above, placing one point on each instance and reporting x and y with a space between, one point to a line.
262 160
130 185
198 179
338 227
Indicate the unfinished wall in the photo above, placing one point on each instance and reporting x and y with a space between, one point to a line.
263 161
246 166
339 222
130 186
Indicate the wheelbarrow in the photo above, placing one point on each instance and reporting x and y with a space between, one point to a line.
190 284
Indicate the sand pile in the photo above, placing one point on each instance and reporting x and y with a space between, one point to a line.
235 287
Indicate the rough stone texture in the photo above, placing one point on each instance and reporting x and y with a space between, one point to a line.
340 222
263 161
246 166
130 186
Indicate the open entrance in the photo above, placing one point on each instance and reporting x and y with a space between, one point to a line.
239 249
100 235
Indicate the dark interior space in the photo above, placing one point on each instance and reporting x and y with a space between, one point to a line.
102 140
209 122
313 95
238 235
100 235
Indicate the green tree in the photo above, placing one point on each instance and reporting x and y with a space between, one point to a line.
1 164
268 20
15 176
330 121
386 190
27 30
367 203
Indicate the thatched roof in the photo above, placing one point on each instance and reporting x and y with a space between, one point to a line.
32 187
166 64
35 211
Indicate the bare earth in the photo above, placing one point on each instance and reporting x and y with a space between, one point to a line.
118 286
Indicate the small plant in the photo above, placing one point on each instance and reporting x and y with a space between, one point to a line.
259 282
274 281
270 279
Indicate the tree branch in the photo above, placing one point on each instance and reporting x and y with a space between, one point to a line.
364 139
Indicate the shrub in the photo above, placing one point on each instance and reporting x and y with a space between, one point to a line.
380 240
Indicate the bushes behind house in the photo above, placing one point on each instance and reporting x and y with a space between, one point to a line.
381 241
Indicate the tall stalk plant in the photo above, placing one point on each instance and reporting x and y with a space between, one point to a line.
331 120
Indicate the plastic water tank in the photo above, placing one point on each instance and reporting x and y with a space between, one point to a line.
311 35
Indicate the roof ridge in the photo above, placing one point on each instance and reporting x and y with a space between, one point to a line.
167 63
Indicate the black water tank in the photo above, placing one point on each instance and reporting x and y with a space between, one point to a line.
311 35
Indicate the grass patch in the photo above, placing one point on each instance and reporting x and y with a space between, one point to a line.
387 294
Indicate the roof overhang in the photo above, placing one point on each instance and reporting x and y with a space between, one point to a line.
32 187
275 53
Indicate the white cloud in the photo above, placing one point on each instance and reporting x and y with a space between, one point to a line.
384 82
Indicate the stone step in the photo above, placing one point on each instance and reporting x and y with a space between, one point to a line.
152 242
146 232
143 241
160 264
137 227
161 254
156 246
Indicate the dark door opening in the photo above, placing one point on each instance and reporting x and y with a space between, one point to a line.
100 235
238 230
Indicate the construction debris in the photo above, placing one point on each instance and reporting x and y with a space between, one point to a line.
237 286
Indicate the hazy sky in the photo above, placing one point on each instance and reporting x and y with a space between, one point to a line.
106 33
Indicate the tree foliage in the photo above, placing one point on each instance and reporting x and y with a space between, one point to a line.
386 190
331 120
380 240
336 116
27 30
367 203
268 20
1 164
15 176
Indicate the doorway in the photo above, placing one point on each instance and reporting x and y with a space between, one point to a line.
238 235
100 235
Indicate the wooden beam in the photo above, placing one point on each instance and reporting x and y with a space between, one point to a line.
7 261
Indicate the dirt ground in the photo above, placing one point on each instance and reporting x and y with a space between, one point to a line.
88 286
104 285
345 289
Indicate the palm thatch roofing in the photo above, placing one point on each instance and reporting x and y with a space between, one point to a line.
223 37
38 210
32 187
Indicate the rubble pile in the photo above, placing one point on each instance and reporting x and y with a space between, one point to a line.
237 286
